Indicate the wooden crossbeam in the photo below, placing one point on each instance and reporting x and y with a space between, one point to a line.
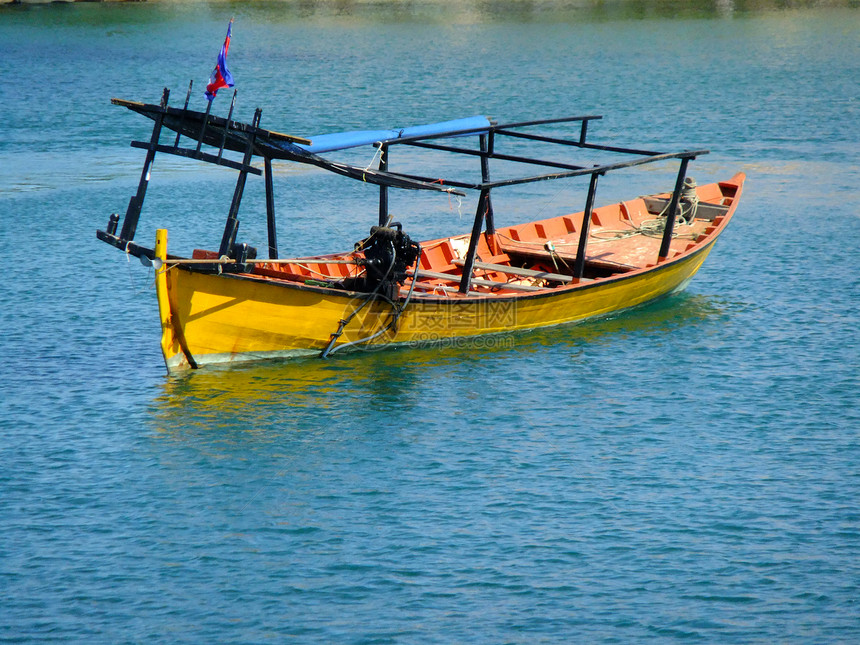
434 275
194 154
526 273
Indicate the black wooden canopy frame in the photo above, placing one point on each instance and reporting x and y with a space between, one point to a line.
251 140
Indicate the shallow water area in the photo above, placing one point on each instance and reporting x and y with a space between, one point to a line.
685 471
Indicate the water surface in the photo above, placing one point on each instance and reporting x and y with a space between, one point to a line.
683 472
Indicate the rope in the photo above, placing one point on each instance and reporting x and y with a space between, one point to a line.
459 205
345 321
648 228
691 197
328 277
376 154
549 246
396 312
135 288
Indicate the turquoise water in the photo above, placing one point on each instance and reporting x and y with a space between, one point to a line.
685 472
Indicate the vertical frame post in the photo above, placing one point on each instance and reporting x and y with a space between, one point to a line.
205 123
383 190
469 262
184 110
487 146
270 210
673 207
227 126
132 214
579 264
232 225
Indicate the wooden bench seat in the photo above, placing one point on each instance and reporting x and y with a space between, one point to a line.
433 275
526 273
425 286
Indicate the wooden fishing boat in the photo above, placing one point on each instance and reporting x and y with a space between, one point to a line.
230 305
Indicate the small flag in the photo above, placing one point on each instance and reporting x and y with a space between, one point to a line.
221 76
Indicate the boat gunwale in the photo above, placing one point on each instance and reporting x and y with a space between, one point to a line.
479 297
737 180
472 297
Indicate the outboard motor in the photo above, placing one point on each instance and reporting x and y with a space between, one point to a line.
388 252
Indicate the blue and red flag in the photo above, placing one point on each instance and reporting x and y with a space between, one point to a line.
221 76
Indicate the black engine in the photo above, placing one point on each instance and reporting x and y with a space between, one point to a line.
388 252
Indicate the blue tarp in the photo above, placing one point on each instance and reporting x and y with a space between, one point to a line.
342 140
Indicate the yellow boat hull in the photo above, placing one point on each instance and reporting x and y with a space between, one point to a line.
210 318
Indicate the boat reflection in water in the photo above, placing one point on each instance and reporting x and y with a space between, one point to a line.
267 401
